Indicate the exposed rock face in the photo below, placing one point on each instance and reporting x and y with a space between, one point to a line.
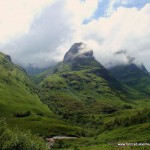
8 57
78 50
80 56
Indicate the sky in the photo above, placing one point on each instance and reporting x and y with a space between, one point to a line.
38 33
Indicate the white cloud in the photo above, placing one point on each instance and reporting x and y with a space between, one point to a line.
45 37
127 28
39 46
81 10
16 16
59 25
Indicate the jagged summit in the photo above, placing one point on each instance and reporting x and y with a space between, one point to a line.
4 56
80 56
78 51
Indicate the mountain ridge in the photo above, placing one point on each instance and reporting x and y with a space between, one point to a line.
21 106
78 82
78 97
134 76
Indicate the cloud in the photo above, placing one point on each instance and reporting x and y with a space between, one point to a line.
84 49
127 28
81 10
16 16
39 46
49 35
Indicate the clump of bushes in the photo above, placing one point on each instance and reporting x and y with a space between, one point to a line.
40 114
17 140
140 117
127 107
22 114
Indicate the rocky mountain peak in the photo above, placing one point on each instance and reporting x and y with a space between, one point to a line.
8 57
4 56
78 51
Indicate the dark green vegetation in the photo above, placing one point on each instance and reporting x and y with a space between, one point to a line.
134 76
131 131
79 97
34 70
17 140
80 88
81 91
109 140
77 94
21 106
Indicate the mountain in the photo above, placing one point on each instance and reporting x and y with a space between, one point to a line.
21 106
77 97
32 71
80 57
135 76
81 91
80 86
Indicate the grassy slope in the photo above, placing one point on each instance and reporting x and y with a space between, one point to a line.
109 140
133 76
79 89
85 97
17 96
86 94
134 132
18 140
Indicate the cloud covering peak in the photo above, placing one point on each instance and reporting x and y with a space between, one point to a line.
55 26
78 50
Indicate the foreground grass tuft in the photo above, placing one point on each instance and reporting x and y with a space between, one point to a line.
17 140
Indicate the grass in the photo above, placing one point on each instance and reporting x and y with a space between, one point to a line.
17 140
81 92
133 76
84 98
45 126
17 96
86 102
109 140
134 134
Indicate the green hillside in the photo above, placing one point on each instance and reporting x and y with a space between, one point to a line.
14 139
132 75
78 97
22 107
81 87
109 140
81 91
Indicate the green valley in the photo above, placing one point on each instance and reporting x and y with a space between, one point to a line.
81 91
21 106
78 98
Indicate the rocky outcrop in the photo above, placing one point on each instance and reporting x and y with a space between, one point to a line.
78 50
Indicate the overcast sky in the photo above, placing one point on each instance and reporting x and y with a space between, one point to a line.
40 32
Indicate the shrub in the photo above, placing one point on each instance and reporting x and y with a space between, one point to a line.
17 140
40 114
76 147
127 107
22 114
